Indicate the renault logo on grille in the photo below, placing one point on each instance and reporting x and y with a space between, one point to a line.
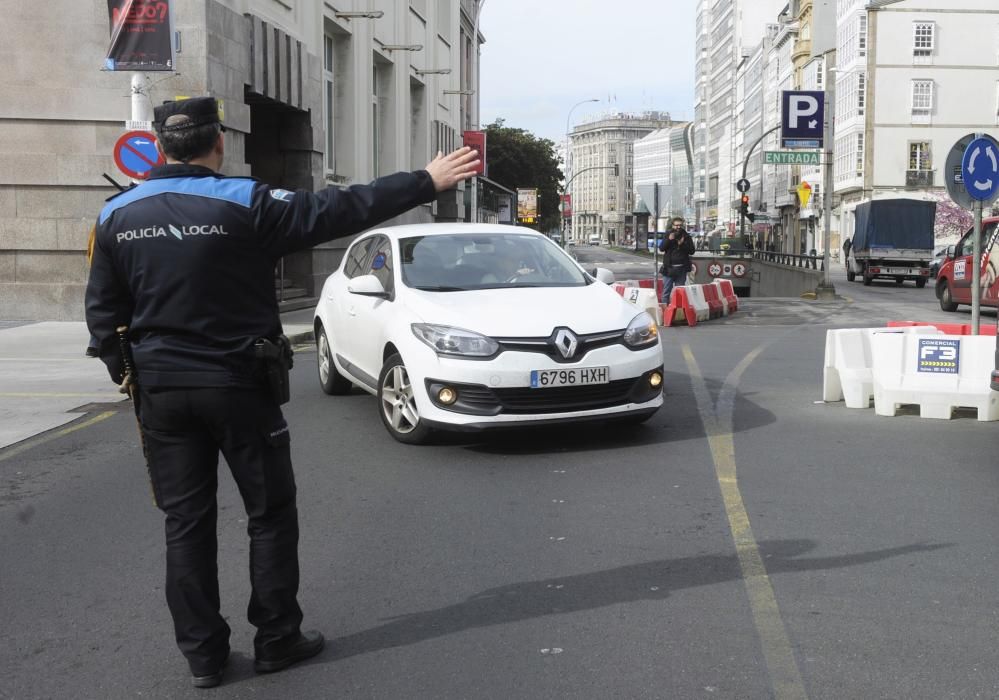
566 343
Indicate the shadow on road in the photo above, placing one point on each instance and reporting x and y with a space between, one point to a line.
678 420
653 580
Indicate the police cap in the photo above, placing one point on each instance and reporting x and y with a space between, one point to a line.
198 110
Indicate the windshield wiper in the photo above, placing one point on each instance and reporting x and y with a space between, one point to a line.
440 289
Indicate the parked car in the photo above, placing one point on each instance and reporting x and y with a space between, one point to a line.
954 279
940 255
595 239
475 326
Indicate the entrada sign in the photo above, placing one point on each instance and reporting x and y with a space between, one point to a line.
791 157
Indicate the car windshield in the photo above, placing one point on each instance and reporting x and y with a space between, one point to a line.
462 262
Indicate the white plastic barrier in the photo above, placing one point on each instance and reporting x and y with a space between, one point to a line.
695 295
644 299
939 373
847 372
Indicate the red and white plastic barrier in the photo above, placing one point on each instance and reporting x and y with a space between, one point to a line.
700 302
946 328
727 291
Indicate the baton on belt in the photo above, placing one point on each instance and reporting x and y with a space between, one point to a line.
129 385
128 381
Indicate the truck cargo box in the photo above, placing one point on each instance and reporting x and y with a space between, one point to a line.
893 224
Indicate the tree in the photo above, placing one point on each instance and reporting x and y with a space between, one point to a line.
952 221
519 159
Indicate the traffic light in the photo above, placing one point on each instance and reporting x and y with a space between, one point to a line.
744 208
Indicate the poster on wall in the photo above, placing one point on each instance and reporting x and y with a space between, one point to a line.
141 36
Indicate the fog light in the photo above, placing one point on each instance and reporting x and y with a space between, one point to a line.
447 396
655 380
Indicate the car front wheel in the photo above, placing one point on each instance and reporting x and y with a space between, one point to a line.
331 381
397 403
946 299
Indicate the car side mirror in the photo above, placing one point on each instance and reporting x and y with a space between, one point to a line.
950 251
367 286
604 275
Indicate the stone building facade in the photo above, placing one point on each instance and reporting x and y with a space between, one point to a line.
313 96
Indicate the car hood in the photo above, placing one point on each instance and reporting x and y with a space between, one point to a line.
525 312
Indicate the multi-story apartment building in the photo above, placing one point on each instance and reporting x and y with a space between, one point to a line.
313 95
794 55
913 77
603 201
727 31
754 115
664 157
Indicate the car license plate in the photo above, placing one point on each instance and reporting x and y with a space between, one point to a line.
898 270
577 376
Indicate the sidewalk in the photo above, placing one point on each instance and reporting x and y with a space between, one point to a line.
46 381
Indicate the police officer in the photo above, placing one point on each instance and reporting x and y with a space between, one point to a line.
186 261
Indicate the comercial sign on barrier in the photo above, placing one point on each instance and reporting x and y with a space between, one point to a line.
939 355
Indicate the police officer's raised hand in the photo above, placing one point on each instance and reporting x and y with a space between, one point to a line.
448 170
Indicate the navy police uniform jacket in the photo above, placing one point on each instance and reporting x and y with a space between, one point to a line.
186 261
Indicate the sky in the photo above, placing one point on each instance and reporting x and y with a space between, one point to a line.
541 57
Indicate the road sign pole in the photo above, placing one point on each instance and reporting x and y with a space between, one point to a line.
826 290
976 272
655 238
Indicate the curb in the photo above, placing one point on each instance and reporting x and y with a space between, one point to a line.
306 338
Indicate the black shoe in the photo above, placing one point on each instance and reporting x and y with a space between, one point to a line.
284 654
211 680
91 352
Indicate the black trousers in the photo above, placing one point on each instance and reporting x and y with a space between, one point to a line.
184 431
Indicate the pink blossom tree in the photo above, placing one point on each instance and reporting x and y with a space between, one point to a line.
952 220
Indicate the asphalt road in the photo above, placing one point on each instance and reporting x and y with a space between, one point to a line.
748 542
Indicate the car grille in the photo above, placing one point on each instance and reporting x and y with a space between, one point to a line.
565 398
546 346
475 399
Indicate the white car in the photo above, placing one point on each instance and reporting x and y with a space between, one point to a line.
475 326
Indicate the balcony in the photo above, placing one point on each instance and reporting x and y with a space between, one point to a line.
919 178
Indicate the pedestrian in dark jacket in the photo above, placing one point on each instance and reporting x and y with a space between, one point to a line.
677 249
185 261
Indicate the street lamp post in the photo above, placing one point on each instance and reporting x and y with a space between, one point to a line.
826 290
568 158
474 214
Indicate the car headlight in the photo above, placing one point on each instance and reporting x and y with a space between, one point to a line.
642 331
446 340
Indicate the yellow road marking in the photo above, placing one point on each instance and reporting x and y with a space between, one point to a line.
24 447
784 675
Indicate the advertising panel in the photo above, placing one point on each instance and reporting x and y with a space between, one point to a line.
141 36
477 140
566 205
527 205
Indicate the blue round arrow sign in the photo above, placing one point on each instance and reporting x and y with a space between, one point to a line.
135 154
980 168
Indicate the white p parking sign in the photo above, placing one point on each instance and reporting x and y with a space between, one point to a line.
802 118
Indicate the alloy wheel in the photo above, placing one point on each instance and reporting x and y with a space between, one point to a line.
398 403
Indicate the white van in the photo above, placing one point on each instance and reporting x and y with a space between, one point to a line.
595 239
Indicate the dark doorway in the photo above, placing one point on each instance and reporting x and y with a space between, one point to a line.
280 152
